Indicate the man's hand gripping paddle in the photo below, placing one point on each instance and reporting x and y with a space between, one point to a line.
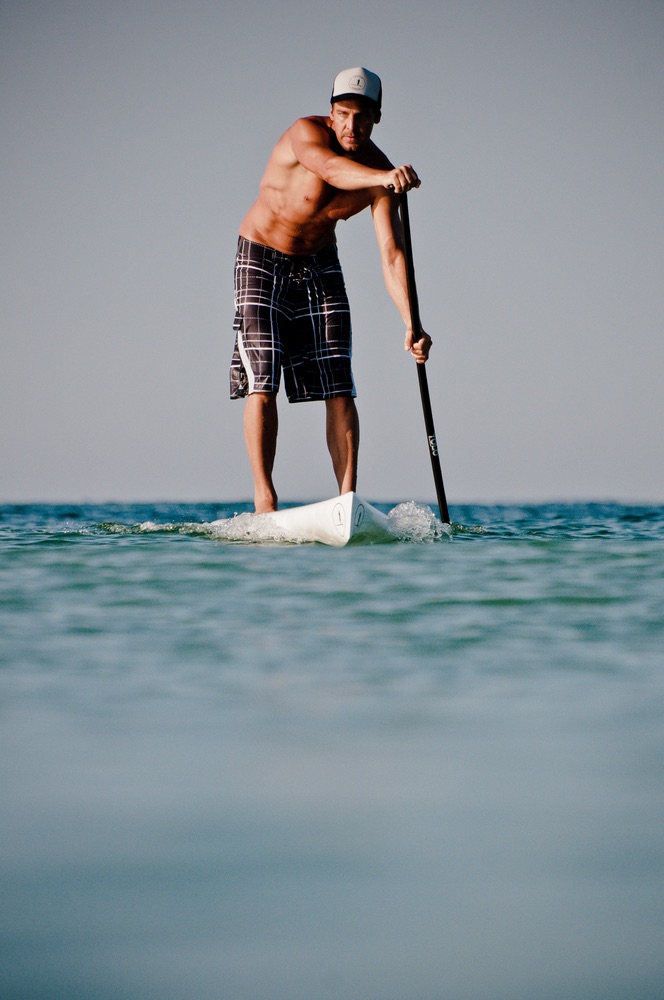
422 368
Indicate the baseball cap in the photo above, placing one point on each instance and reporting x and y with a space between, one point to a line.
357 82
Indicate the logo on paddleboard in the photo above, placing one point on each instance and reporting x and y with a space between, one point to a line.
339 517
359 516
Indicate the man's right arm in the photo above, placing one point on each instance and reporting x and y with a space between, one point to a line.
311 145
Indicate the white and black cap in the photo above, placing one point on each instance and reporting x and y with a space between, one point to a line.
357 82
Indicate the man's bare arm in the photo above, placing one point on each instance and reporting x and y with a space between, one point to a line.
311 144
390 241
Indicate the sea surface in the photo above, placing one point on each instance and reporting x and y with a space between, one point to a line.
425 770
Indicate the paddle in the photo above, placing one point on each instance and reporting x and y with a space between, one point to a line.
422 368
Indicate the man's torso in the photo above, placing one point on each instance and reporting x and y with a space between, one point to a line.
296 212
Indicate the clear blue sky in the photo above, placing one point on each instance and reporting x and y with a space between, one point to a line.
134 137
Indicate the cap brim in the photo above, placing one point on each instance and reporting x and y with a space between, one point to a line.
357 97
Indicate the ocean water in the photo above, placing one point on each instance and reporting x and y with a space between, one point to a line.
428 770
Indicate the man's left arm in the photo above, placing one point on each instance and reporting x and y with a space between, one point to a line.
389 233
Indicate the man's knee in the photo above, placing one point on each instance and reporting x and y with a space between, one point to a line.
342 403
259 398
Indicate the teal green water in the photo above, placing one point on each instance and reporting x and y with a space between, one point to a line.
416 771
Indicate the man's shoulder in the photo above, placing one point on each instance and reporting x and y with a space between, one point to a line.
310 125
312 129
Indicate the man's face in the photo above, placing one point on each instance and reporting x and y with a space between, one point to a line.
352 123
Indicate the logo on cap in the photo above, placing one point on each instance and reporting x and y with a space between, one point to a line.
357 82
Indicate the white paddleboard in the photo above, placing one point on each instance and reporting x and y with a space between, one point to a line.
338 521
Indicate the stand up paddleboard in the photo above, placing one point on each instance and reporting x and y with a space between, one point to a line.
338 521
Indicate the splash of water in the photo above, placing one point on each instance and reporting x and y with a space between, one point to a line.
416 522
247 527
411 522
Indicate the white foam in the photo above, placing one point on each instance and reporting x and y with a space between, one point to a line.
416 522
248 528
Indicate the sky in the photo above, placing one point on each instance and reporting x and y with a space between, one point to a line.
135 133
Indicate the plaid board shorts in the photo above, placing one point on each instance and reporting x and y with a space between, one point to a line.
291 314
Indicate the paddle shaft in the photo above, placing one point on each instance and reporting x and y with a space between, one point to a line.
422 368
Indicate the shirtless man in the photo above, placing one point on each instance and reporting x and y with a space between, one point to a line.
291 307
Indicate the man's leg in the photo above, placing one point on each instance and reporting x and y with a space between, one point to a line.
343 439
260 434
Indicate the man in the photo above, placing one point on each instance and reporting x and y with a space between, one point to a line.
291 307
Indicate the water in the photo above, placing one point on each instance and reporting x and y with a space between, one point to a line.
429 770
